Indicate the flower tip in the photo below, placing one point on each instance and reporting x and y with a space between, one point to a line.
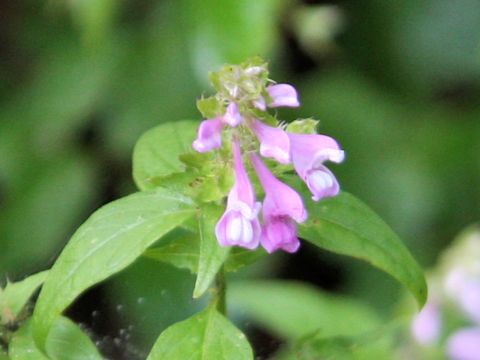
283 95
209 135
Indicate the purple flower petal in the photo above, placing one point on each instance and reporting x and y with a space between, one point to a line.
232 116
280 233
209 135
464 344
283 95
274 142
309 152
239 224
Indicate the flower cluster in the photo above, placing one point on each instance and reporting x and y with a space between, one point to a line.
240 115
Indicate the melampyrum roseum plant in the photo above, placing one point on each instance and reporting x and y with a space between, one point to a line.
227 191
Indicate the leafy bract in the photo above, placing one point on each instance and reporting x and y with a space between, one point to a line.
293 310
15 295
345 225
207 335
156 154
110 240
66 341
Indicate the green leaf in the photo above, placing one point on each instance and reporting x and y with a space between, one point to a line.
181 252
22 346
211 254
292 310
66 341
345 225
15 295
110 240
207 335
157 153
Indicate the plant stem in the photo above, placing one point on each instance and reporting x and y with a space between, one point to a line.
220 291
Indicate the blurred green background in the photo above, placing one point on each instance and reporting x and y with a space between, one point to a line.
397 83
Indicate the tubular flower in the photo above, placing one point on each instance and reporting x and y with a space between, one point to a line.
282 207
309 152
239 224
274 142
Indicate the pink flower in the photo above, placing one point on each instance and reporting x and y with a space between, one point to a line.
239 224
283 95
209 135
464 344
274 142
282 207
309 152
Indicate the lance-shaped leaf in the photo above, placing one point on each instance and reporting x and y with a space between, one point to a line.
207 335
345 225
15 295
291 310
110 240
211 254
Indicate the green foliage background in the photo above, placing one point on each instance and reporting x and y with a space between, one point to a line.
397 84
